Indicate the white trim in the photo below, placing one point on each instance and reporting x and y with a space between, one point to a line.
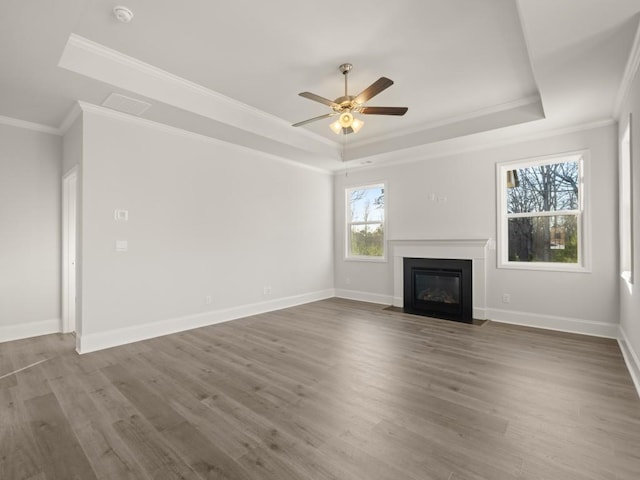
70 118
448 147
90 342
347 243
29 329
545 267
583 264
527 45
364 258
146 68
71 177
37 127
162 127
490 110
631 358
110 66
552 322
633 62
625 202
468 241
364 296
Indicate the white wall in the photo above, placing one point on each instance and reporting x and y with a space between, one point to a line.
205 218
630 300
30 187
581 302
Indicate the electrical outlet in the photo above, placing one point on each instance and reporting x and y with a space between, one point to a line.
207 299
266 290
347 281
506 298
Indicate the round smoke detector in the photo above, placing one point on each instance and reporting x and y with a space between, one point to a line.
123 14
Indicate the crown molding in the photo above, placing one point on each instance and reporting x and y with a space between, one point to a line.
116 56
527 45
492 109
102 63
70 118
169 129
629 75
39 127
36 127
451 147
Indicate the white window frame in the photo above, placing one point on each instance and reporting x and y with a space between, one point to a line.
584 231
625 178
347 244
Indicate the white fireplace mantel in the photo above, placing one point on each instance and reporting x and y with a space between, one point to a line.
474 249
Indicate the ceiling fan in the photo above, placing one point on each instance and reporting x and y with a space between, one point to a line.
347 105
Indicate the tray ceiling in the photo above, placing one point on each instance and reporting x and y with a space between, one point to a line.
233 71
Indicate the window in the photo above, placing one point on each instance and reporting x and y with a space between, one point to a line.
365 222
626 211
541 214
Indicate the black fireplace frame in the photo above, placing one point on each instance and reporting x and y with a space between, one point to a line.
462 313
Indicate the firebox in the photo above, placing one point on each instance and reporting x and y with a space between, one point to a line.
438 287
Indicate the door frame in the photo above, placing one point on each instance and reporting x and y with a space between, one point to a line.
69 249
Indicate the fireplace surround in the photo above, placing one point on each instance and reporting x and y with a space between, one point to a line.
467 248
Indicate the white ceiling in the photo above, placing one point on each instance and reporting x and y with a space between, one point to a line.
232 70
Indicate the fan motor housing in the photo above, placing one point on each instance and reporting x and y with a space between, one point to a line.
344 103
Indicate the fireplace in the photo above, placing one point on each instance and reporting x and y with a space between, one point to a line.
437 287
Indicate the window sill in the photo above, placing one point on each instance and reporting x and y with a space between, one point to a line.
545 267
366 259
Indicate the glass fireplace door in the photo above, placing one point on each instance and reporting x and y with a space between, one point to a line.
437 289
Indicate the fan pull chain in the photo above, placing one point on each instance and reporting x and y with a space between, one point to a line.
344 147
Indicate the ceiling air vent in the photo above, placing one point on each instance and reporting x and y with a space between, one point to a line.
126 104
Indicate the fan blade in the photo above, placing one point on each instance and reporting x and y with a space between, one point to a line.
374 89
304 122
318 98
383 110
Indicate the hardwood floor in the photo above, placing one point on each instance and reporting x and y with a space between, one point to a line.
330 390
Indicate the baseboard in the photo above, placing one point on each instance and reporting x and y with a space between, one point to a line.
479 313
364 296
29 329
551 322
631 358
91 342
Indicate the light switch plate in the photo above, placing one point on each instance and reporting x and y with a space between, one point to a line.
122 245
121 215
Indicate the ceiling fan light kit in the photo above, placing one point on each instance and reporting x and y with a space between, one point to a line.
346 105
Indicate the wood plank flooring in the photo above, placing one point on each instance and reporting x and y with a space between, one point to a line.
335 390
